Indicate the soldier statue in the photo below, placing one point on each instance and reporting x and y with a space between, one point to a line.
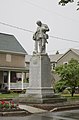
40 37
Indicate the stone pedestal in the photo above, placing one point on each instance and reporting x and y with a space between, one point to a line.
39 90
40 76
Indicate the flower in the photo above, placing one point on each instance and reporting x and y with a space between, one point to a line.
8 105
2 102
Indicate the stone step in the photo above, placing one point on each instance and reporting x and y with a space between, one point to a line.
42 100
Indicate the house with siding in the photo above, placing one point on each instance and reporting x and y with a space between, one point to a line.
12 63
53 60
27 64
65 58
56 60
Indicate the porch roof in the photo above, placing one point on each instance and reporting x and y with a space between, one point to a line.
18 69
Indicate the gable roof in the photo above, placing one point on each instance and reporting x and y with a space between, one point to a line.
8 43
55 57
76 51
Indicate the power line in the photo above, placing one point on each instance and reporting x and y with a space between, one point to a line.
26 30
16 27
64 39
49 11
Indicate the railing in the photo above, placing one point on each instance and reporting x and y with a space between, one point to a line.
18 85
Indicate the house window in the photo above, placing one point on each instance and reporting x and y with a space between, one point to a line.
53 65
8 57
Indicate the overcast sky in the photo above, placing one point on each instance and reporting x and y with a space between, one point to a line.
63 22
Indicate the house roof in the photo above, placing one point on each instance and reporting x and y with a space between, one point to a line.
8 43
76 51
55 57
19 69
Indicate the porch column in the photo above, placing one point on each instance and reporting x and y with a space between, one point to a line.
9 80
22 80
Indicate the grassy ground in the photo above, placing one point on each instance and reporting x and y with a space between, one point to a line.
68 96
9 95
13 95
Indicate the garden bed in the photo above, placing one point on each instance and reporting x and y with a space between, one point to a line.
9 108
58 106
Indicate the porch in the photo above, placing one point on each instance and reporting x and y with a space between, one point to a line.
13 78
17 86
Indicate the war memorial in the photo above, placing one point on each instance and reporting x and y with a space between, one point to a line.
40 89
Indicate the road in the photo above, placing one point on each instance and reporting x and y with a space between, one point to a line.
63 115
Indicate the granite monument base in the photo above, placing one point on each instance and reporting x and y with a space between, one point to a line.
40 90
40 99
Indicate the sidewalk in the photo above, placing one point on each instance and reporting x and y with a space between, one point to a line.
32 109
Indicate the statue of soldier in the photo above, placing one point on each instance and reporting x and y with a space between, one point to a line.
41 37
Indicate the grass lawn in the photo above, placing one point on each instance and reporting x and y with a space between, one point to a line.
68 96
14 95
9 95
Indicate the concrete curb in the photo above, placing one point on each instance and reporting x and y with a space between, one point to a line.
14 113
64 108
58 106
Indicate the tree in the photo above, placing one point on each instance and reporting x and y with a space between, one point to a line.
69 74
60 86
64 2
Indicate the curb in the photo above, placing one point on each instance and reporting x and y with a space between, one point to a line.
64 108
14 113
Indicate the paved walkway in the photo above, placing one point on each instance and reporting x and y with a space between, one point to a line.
32 109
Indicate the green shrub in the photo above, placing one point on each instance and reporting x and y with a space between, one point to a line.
66 91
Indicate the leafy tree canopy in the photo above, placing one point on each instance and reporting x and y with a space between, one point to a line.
69 73
64 2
